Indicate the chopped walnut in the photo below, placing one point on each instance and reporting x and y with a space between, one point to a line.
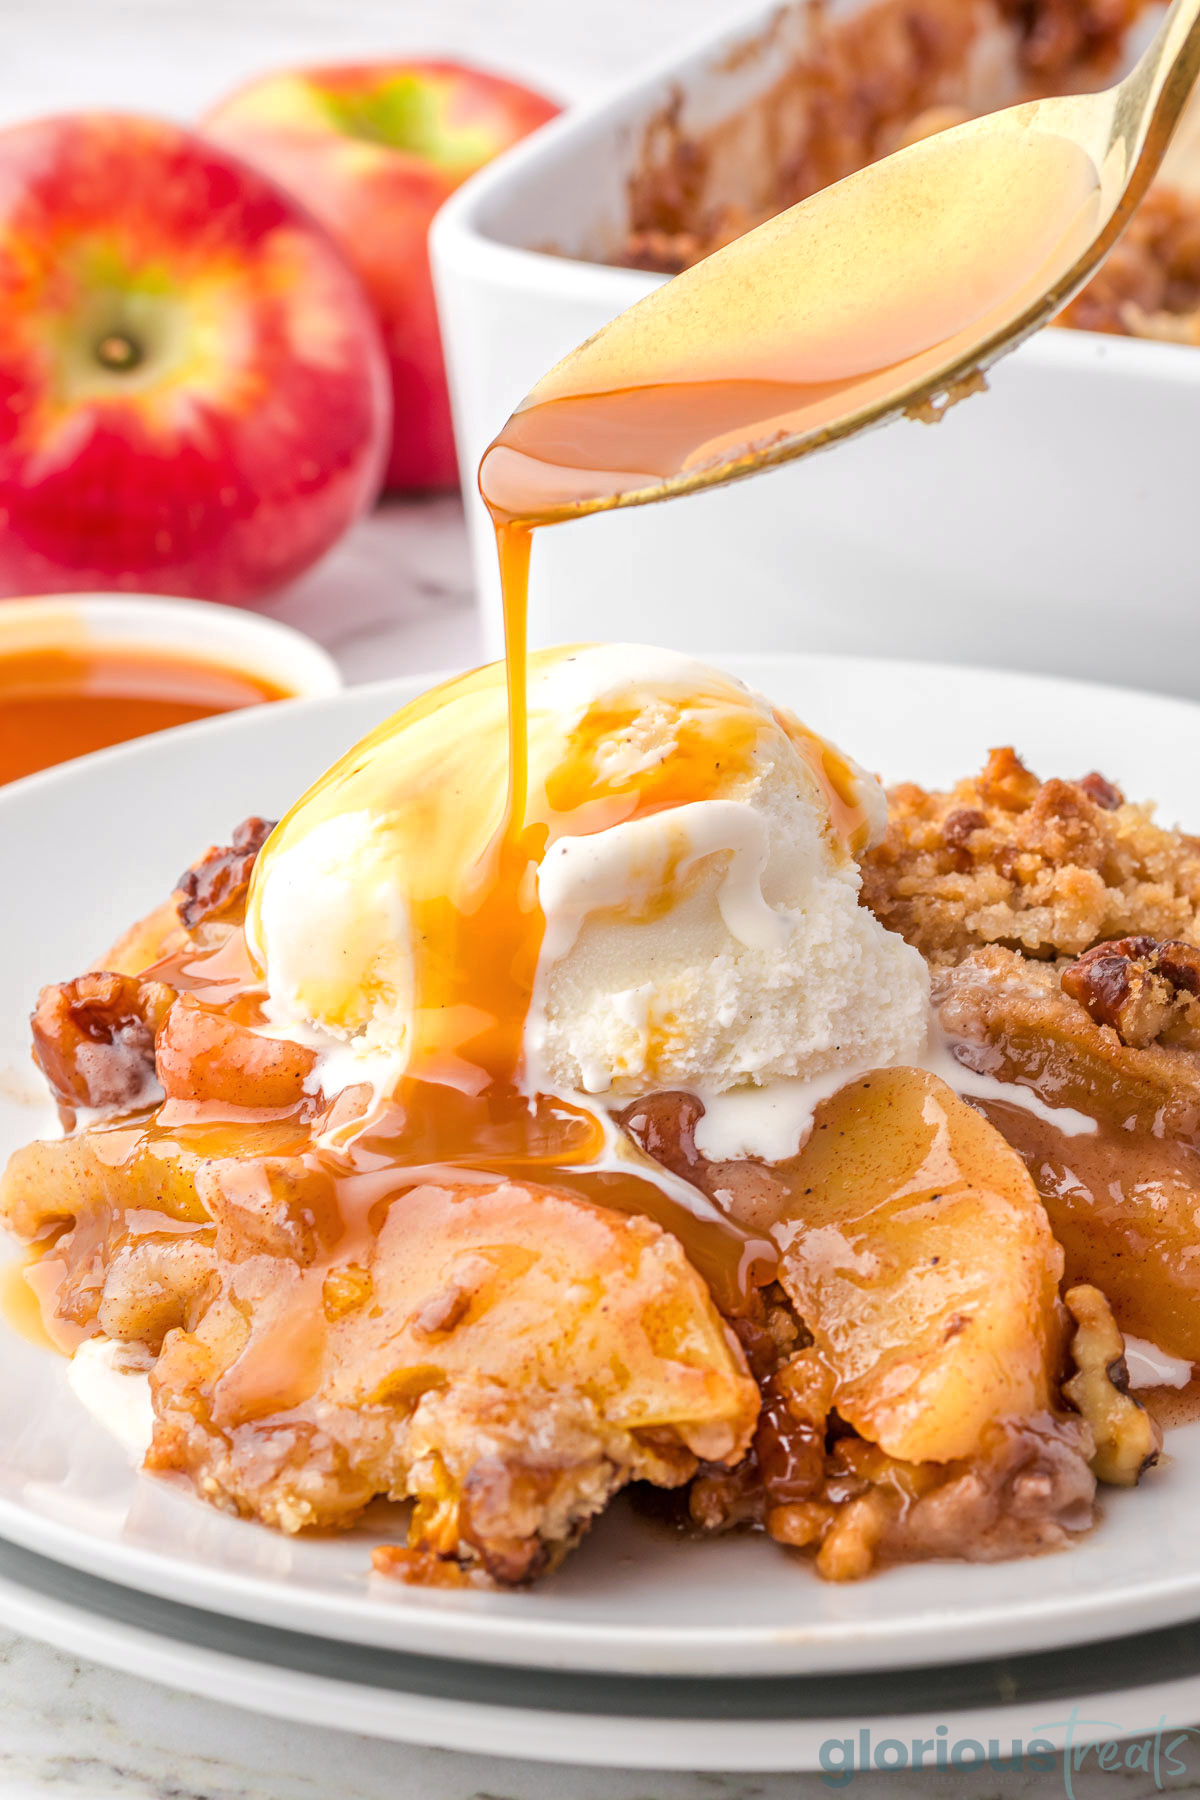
1097 787
1028 1489
218 882
849 1547
1127 1439
800 1523
960 826
789 1441
93 1038
1146 991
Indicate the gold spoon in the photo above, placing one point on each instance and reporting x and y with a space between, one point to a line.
886 294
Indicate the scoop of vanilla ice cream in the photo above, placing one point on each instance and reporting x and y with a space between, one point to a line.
719 944
697 879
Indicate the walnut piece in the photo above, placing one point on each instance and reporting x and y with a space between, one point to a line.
1127 1439
218 882
1144 990
1098 788
93 1038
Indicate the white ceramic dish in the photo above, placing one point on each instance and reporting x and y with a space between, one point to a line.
632 1599
1046 526
1146 1686
225 635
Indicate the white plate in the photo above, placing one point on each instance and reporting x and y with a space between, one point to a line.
1145 1686
88 848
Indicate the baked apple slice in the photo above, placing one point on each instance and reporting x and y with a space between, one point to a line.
123 1235
919 1255
1121 1198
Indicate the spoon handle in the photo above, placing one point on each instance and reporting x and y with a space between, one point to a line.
1154 94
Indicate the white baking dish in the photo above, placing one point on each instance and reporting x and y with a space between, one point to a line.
1051 524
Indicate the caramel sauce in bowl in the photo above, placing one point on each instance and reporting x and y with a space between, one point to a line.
85 673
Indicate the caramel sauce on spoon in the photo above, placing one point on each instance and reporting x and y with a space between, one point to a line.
773 344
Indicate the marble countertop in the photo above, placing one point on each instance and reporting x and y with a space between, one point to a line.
81 1732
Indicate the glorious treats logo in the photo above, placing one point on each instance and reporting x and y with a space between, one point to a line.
1083 1745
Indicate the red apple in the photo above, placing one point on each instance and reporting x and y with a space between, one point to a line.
374 149
193 394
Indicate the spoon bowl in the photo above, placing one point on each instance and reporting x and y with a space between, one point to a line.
887 294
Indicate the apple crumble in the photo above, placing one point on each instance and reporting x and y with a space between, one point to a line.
485 1232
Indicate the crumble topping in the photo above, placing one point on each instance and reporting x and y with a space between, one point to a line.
1048 868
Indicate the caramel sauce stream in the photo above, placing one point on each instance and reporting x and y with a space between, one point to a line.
770 343
791 329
